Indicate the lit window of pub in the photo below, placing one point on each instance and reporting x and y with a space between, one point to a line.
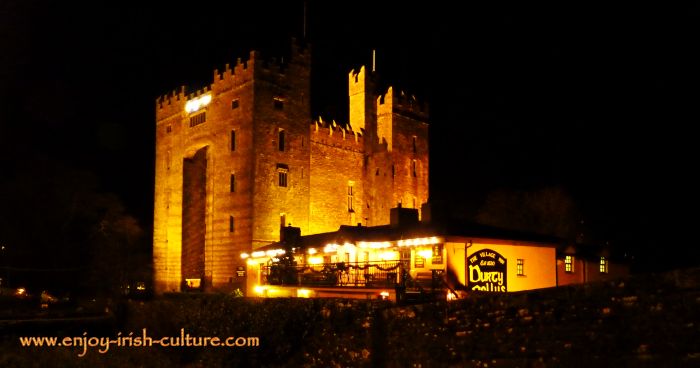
603 265
521 267
569 263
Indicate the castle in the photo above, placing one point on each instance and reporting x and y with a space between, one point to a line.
242 158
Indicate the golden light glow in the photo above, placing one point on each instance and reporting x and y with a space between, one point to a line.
197 103
258 254
21 291
330 248
374 245
451 296
245 255
193 283
260 289
312 251
425 253
384 295
315 260
251 262
418 241
387 256
304 293
275 252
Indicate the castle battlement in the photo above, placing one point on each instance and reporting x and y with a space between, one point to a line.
404 103
337 135
242 72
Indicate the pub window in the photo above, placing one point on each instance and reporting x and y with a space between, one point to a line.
278 103
233 183
282 171
198 119
415 147
233 140
350 197
569 264
603 265
230 224
419 262
234 104
437 254
280 140
521 267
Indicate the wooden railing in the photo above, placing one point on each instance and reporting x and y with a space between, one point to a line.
341 274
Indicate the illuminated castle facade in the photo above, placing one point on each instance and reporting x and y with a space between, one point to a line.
240 159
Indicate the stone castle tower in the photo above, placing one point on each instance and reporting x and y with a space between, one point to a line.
242 158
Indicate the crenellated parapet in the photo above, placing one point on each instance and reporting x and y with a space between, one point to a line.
242 72
330 133
404 104
171 103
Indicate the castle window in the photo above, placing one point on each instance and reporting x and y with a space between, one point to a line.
230 224
233 183
521 267
350 197
234 104
198 119
393 170
376 173
603 265
569 264
233 140
168 129
413 168
415 148
278 103
282 171
280 140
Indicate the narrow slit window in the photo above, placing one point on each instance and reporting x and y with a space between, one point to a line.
233 183
233 140
280 140
350 197
231 224
234 104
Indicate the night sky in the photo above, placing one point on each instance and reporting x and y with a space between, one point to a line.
593 99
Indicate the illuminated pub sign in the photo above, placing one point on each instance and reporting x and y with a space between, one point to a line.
487 272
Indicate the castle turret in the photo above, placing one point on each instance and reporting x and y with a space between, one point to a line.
363 113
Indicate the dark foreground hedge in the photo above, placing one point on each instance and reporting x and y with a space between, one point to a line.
647 321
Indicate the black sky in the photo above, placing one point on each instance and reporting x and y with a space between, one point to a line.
593 98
